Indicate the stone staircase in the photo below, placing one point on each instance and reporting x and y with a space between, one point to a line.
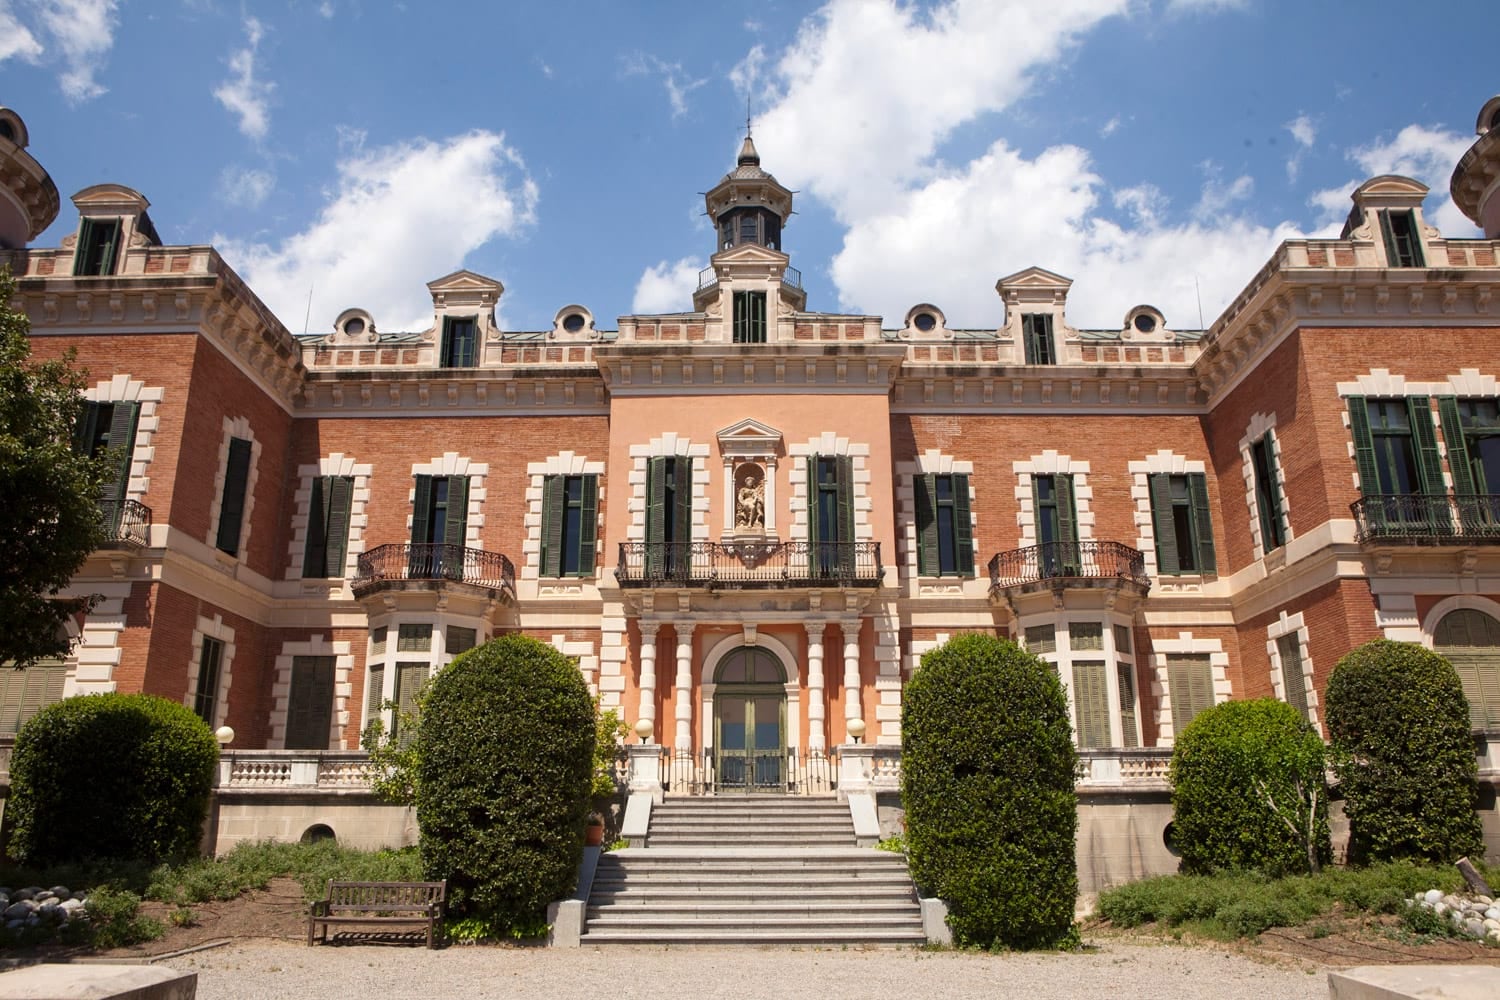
752 870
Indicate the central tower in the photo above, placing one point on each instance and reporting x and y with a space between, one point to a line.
749 205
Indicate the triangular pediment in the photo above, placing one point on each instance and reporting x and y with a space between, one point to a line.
464 280
1034 277
749 437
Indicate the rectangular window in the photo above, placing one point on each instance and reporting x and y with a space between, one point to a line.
570 525
439 528
374 693
206 697
1471 427
232 503
1041 639
1086 635
1403 246
1190 685
109 429
98 246
309 713
1184 531
1122 640
414 638
23 693
327 526
1036 335
460 342
1126 676
459 639
1396 453
1293 678
1090 704
1267 493
669 515
377 641
749 317
945 535
409 680
831 518
1056 525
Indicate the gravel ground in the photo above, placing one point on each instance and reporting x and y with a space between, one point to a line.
262 970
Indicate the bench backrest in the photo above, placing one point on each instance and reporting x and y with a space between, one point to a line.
385 895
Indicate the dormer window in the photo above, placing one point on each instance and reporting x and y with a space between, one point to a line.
98 246
460 341
1403 247
1036 335
749 317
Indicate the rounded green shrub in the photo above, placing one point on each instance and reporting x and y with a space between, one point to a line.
1248 791
987 771
110 776
505 761
1404 754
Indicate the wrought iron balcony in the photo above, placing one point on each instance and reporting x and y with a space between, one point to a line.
128 523
748 564
402 564
707 278
1419 519
1069 564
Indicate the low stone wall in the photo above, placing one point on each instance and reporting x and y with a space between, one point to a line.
356 820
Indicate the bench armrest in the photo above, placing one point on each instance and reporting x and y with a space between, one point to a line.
320 908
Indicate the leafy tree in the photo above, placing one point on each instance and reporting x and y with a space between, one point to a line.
987 771
52 492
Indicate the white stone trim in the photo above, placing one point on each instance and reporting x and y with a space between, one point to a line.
1218 661
450 463
1458 602
1381 383
1064 654
1277 630
708 662
124 389
1161 463
1259 426
336 464
831 445
613 650
930 462
213 628
97 653
234 427
669 445
1050 463
583 652
281 687
564 463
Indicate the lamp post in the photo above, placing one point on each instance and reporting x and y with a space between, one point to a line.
644 728
224 735
856 729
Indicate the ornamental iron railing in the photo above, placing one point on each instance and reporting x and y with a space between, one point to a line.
388 564
1058 563
747 564
786 771
790 277
1420 519
128 523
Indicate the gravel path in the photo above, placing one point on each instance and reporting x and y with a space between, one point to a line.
264 970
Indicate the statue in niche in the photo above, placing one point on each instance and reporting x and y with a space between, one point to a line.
750 499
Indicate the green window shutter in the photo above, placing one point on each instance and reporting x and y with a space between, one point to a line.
1126 677
315 551
812 500
232 507
309 713
1364 446
81 249
206 697
1067 513
121 448
682 500
553 496
656 500
924 489
409 680
87 427
1458 448
845 491
1293 676
1273 488
1190 683
1091 702
1161 519
1202 523
1429 462
374 692
588 526
421 510
1479 673
1392 251
963 526
455 527
336 536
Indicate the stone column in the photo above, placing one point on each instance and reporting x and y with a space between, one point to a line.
771 495
817 738
648 675
683 742
853 709
728 495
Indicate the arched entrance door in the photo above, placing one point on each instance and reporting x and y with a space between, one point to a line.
1470 640
750 722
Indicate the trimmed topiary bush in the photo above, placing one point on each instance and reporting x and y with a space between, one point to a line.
1248 791
1404 754
987 770
505 761
110 776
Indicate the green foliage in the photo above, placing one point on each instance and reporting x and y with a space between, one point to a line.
252 865
53 493
110 776
1243 904
1248 791
115 920
896 844
393 763
1426 924
988 765
505 767
609 732
1404 754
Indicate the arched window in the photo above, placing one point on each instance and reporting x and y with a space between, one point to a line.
1470 640
750 666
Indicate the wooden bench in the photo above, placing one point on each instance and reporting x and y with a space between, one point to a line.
380 903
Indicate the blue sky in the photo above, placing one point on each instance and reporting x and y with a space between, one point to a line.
1155 151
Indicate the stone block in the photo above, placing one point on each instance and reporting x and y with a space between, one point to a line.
1413 982
98 982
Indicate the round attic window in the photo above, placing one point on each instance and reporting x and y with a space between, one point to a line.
354 327
924 321
1145 323
573 322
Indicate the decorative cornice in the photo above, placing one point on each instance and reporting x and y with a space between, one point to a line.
653 369
458 392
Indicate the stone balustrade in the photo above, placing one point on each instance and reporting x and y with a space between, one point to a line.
293 770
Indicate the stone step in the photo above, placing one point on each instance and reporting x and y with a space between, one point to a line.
745 884
628 909
758 936
649 919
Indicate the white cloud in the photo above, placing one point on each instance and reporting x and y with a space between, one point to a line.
399 216
245 186
1303 130
1216 196
15 38
325 9
1210 6
667 287
1110 127
84 31
678 84
242 94
1424 153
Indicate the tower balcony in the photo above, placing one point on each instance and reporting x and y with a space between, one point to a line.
790 277
769 563
128 524
1068 565
1419 519
404 566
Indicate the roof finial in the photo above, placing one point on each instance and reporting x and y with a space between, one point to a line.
748 156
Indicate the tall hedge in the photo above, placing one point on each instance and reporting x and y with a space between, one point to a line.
1247 777
987 771
1404 754
118 776
505 754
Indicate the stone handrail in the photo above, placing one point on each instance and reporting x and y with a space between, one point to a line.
293 770
1146 767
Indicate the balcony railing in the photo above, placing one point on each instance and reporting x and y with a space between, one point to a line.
1418 519
748 564
1070 563
790 277
392 564
128 524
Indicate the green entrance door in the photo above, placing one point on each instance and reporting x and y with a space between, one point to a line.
750 723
